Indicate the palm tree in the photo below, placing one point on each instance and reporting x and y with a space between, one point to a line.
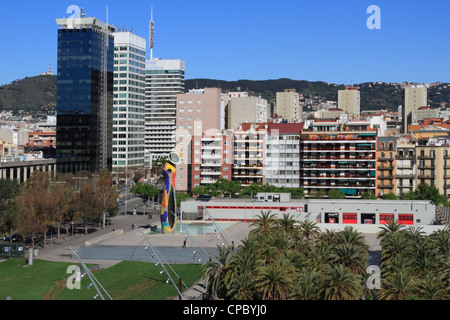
286 223
241 288
309 229
341 284
308 284
266 221
440 242
240 276
352 237
214 272
318 256
431 287
425 258
399 286
392 227
393 245
349 256
328 236
272 246
275 281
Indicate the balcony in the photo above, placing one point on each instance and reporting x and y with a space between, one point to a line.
426 157
427 166
385 186
210 173
210 156
405 176
385 159
210 164
403 157
208 181
388 177
385 167
426 176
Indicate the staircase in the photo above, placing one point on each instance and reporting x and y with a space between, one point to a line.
443 215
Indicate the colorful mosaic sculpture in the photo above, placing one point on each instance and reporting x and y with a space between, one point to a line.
169 201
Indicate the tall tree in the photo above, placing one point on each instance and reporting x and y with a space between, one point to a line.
215 271
9 191
107 194
35 206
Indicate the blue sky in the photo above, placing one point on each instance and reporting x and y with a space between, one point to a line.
315 40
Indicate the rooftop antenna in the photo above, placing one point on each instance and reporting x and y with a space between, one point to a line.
152 34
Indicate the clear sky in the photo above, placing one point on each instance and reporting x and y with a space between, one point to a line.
315 40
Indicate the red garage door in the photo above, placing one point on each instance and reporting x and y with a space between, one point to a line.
350 218
405 219
386 217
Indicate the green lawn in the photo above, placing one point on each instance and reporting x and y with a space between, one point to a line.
23 282
127 280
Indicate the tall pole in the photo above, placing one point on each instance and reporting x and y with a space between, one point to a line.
156 253
190 237
151 34
212 219
94 281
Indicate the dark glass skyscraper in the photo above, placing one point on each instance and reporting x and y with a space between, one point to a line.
84 95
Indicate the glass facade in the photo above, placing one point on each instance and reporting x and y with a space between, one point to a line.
78 99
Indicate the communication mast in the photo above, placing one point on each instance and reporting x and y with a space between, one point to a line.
152 34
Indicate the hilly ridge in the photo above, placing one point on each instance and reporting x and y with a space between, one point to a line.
38 94
30 94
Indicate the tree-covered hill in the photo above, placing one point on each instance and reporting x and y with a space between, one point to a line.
39 93
31 94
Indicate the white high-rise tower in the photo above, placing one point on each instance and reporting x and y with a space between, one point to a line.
129 101
164 79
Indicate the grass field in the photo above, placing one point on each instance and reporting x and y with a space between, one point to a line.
127 280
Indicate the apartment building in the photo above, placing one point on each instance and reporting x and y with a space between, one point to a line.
415 97
197 111
42 139
249 152
213 157
338 156
405 163
433 163
288 105
247 110
349 101
386 168
282 159
419 115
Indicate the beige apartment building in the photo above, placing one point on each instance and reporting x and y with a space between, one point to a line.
247 110
197 112
433 163
349 101
415 97
405 163
288 106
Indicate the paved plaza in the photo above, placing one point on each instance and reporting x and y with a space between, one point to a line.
120 241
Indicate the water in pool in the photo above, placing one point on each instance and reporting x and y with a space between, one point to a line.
201 227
